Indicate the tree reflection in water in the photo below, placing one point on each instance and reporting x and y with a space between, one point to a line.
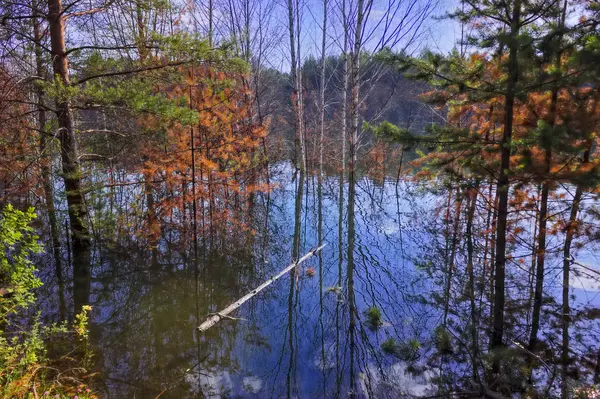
418 253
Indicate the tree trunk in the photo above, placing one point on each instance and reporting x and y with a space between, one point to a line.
355 86
354 101
493 250
298 148
350 275
345 70
487 240
210 22
452 258
504 184
566 310
46 162
339 373
541 252
320 193
532 270
540 263
471 275
78 212
322 93
300 91
294 274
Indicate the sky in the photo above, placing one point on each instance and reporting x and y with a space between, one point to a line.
437 34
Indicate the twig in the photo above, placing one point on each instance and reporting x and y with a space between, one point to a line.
224 313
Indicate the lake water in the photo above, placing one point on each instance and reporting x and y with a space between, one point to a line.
306 335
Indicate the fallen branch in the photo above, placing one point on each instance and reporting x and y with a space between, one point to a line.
222 316
211 321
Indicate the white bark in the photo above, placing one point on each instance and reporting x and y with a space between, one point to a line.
211 321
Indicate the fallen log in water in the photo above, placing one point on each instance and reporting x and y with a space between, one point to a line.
224 314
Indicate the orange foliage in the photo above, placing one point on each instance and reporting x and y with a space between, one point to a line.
18 177
226 143
476 151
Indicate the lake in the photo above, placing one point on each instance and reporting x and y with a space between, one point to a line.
358 319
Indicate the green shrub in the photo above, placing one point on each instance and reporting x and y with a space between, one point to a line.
374 318
25 367
442 340
389 346
407 351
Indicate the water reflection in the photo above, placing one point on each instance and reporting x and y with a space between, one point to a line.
417 255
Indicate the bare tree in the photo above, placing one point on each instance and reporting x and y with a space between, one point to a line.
322 91
296 75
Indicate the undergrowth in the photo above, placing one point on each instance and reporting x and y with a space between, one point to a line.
36 360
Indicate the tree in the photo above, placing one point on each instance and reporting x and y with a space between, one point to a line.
71 169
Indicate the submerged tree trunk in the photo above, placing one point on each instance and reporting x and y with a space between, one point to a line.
324 359
344 129
320 193
570 231
354 118
486 262
46 168
78 212
472 196
339 284
532 270
541 252
503 186
540 263
350 276
452 259
294 274
566 310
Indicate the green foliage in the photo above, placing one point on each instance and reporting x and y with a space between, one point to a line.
17 244
17 280
374 318
389 346
407 351
139 96
389 132
24 341
442 340
133 85
57 90
194 49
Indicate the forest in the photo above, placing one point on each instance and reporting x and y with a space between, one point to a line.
299 198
